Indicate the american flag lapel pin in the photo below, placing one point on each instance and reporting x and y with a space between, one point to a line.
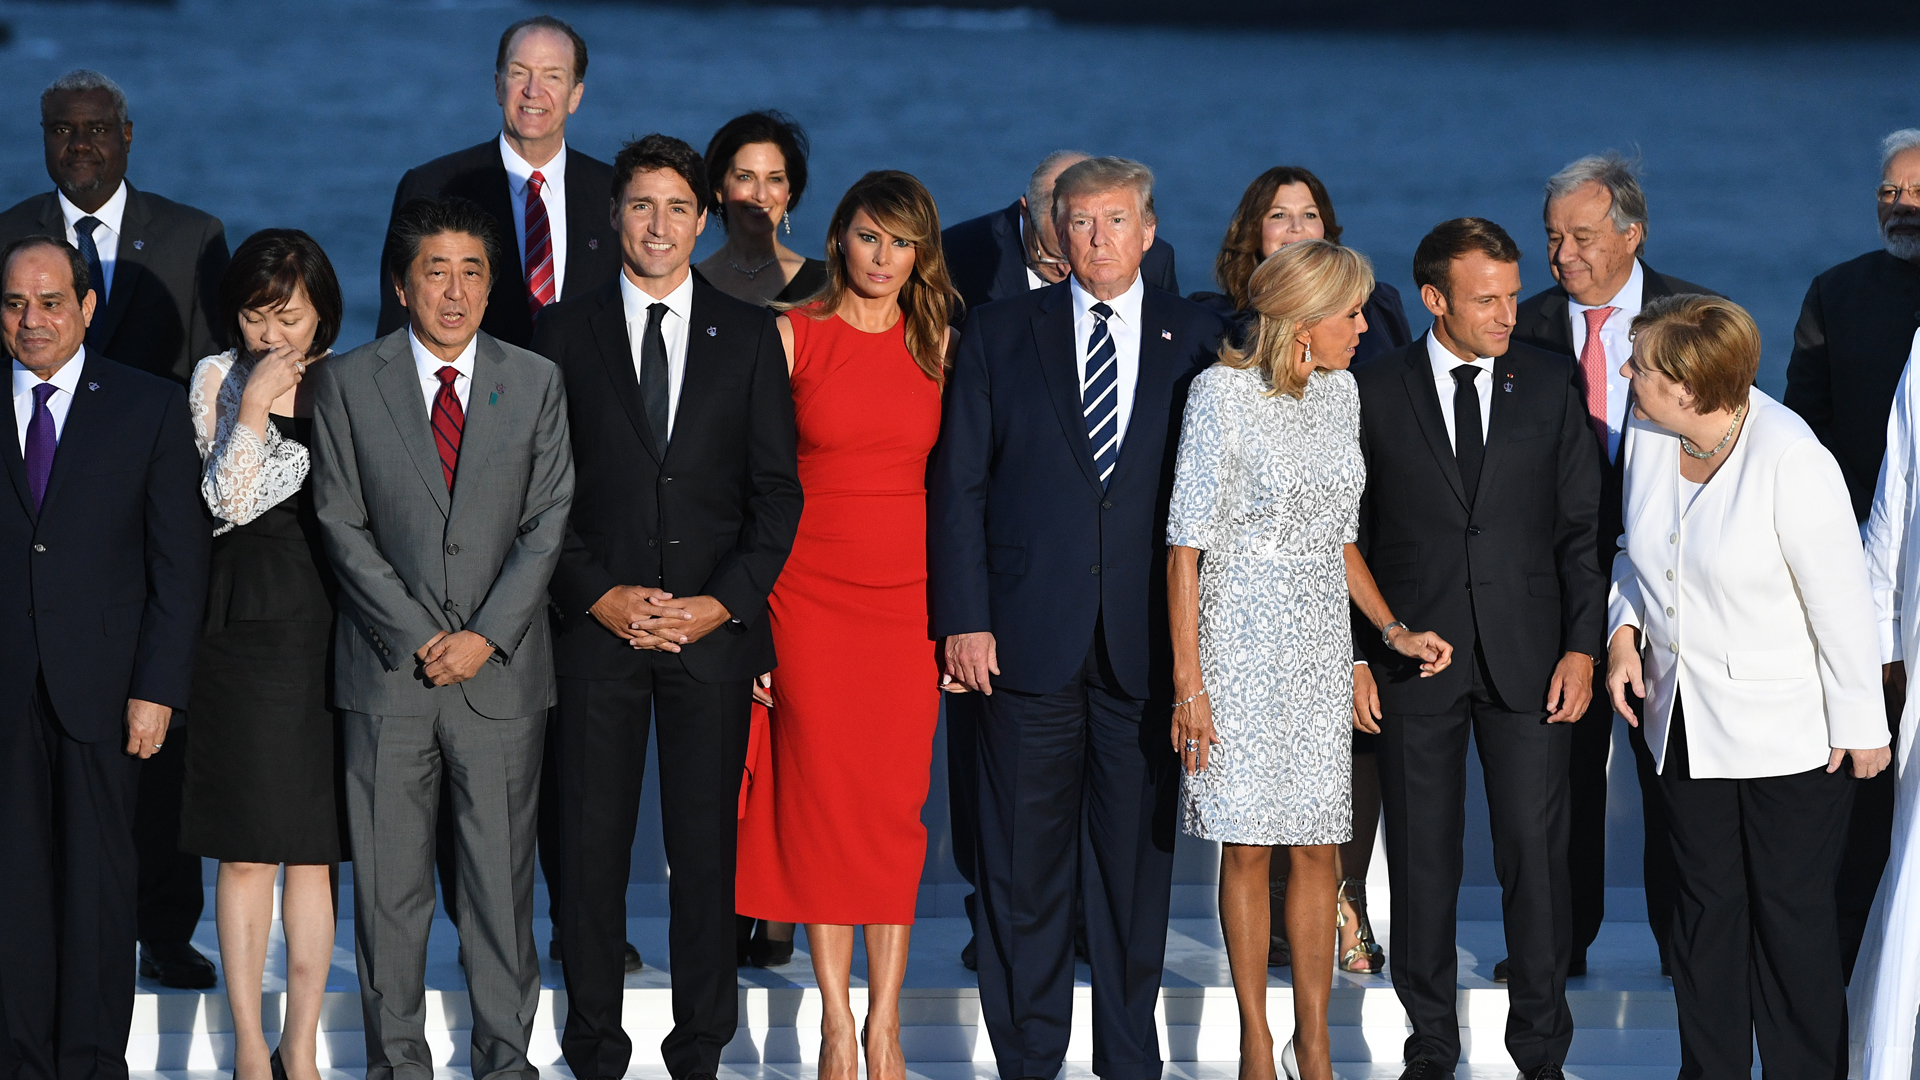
1166 335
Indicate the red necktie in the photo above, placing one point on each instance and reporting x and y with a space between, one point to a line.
539 248
448 420
1593 370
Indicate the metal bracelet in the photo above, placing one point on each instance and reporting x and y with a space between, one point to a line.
1190 700
1386 632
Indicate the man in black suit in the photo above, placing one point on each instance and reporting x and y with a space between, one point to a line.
1851 343
1480 520
686 500
106 546
563 244
1596 218
156 267
1048 564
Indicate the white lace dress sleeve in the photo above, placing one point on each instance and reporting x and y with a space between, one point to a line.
244 475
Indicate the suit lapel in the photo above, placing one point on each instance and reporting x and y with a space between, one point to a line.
609 326
129 266
16 465
1501 417
399 383
1010 277
1556 328
702 367
581 229
1053 344
1425 401
86 419
486 405
1152 404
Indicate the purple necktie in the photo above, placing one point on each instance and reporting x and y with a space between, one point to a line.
40 443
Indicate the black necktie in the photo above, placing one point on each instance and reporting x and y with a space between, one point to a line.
83 235
653 373
1469 445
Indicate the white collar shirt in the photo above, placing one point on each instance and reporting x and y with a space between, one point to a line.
106 235
429 365
1124 326
673 330
65 382
1443 363
553 193
1034 281
1616 338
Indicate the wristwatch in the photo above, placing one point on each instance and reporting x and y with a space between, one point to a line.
1386 632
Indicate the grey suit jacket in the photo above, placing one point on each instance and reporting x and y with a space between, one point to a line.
413 562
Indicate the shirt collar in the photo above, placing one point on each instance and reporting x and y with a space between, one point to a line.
429 365
67 378
518 169
1444 361
636 302
1126 306
109 215
1628 301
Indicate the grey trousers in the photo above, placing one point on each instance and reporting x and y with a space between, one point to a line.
395 766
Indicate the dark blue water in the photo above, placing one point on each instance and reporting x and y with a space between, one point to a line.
1760 157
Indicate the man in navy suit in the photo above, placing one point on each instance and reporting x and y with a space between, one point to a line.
103 574
1048 506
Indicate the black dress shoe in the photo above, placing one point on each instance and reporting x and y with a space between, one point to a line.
176 964
970 956
765 952
1500 971
279 1067
1549 1071
1424 1068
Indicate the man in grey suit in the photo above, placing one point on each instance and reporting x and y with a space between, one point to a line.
442 478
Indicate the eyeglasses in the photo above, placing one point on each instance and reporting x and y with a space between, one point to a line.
1890 193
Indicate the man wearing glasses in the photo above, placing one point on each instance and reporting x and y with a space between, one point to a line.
1855 331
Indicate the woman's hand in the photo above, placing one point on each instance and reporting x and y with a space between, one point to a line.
1193 733
1429 648
1366 700
1866 763
763 689
273 375
1623 671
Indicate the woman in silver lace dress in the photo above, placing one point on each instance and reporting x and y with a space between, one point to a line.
1265 509
261 775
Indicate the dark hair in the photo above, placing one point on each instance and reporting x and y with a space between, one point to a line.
544 22
1240 248
75 262
767 126
268 267
421 218
1451 239
655 153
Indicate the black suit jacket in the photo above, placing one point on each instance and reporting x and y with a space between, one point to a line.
1849 347
1516 571
477 173
1023 540
163 313
715 514
102 589
1542 322
987 260
1386 318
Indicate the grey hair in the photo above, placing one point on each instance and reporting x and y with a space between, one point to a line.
1104 174
1621 179
1897 143
1040 187
82 79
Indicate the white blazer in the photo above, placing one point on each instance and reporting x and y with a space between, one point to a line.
1752 602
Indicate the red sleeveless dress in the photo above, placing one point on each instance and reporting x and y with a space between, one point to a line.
838 769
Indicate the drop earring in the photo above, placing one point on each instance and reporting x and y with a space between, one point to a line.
786 220
1309 357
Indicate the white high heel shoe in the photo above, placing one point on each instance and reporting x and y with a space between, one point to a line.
1289 1062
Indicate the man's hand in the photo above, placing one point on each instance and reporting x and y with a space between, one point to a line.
455 658
1366 700
625 607
426 650
685 620
1866 763
146 726
973 659
1571 688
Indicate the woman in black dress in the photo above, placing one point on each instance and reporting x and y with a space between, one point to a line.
757 166
261 769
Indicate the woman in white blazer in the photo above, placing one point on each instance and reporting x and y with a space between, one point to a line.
1740 612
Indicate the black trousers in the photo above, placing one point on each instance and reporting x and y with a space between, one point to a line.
1079 782
1658 875
1869 839
1587 829
602 744
172 892
963 789
1423 761
68 906
1756 957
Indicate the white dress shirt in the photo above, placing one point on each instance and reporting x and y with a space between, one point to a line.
1616 338
65 382
429 365
106 235
1443 364
553 193
674 329
1034 281
1124 326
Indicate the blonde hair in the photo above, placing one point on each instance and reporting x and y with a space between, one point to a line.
1295 288
1708 344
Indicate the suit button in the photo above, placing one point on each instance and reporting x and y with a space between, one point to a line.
1107 504
653 543
1669 613
29 613
666 479
1094 569
1673 647
447 604
1669 575
1473 530
1673 538
40 549
453 549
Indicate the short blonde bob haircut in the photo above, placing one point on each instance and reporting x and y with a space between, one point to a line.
1294 289
1708 344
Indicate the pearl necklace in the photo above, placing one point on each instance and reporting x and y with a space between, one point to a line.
1703 455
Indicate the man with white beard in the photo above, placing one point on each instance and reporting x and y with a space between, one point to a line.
1849 349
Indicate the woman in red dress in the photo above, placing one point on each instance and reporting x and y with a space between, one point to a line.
830 832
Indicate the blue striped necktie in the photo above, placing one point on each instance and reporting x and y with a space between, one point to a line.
1100 394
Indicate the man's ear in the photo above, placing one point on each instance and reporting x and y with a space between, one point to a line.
1434 300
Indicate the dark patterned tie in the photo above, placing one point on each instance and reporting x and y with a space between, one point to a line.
539 247
1100 394
653 373
448 421
40 444
1469 443
83 239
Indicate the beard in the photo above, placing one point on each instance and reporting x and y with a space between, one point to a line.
1905 246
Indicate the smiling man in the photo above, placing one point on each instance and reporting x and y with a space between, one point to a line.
546 196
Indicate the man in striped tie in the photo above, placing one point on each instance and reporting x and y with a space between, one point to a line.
1048 566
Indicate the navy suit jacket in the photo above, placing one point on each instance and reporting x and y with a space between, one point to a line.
988 261
1024 541
102 589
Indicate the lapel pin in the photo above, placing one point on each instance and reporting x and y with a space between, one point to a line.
93 386
1166 335
713 331
593 244
138 244
498 389
1509 388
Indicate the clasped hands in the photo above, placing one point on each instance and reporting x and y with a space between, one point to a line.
656 619
449 658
